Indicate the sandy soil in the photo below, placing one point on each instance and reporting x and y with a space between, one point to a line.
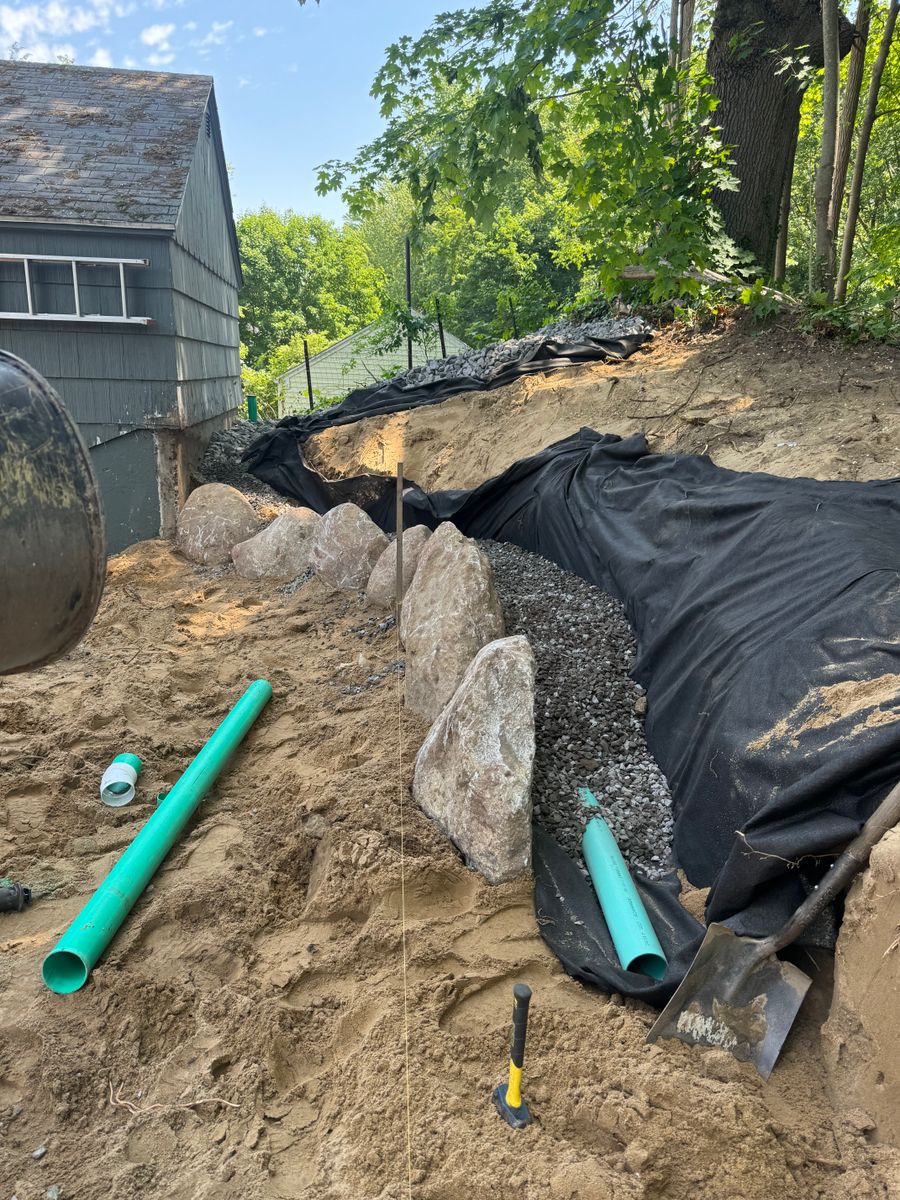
776 400
244 1035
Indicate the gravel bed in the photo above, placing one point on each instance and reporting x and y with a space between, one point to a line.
588 724
484 363
222 463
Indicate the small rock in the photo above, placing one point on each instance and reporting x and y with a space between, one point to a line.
39 1153
640 706
473 772
214 519
383 580
347 546
283 550
52 1192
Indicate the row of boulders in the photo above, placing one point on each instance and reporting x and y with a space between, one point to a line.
476 687
217 525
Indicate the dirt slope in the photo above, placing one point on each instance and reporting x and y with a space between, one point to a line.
243 1037
777 401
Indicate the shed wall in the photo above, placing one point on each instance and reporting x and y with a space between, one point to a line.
205 281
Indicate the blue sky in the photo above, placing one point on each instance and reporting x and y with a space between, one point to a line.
292 83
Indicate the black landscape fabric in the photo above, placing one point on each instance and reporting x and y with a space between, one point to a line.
766 613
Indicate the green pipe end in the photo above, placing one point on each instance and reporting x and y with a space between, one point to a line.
131 759
653 965
64 971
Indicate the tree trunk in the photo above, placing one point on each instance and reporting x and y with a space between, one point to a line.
824 268
760 106
862 149
849 108
780 269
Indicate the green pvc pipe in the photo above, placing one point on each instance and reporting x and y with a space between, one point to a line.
636 944
67 967
252 409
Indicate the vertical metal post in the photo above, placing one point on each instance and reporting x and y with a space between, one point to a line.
440 325
409 355
252 409
512 313
309 390
398 584
122 290
75 288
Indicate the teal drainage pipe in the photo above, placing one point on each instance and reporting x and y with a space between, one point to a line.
67 967
252 409
636 944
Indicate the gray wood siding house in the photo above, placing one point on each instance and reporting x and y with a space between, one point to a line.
119 271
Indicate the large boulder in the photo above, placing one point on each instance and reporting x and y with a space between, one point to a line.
473 772
383 581
215 518
862 1050
347 547
283 550
450 611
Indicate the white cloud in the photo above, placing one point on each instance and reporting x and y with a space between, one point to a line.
157 35
159 60
190 26
215 36
35 23
100 58
129 63
259 31
41 51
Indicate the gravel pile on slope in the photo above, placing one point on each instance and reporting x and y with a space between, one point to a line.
484 363
222 463
587 725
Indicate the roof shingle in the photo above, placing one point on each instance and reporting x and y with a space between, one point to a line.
96 145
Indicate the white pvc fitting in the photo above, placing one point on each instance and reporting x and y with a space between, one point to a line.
117 784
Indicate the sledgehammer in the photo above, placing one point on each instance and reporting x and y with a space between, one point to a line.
507 1097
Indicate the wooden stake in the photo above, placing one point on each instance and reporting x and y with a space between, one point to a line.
398 586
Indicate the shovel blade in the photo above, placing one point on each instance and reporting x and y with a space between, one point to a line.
736 998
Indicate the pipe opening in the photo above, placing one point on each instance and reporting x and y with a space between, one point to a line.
64 971
648 964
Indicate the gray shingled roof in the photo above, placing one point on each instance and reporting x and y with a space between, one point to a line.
96 145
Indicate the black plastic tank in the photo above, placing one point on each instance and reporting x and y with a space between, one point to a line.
52 543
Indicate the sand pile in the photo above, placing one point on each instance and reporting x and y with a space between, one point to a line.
243 1036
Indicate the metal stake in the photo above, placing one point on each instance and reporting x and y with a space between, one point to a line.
440 325
309 390
408 303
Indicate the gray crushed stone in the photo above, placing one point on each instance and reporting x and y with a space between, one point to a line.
588 730
222 463
486 362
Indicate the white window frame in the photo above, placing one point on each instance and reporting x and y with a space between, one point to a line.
115 319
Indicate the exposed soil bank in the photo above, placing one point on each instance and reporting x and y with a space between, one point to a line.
773 400
243 1037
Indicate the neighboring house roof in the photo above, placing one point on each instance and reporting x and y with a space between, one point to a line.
98 146
330 369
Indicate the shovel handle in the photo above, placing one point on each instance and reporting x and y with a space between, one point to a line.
843 870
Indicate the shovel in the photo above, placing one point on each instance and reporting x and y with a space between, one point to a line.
737 994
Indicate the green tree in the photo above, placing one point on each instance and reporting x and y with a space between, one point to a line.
590 103
302 275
